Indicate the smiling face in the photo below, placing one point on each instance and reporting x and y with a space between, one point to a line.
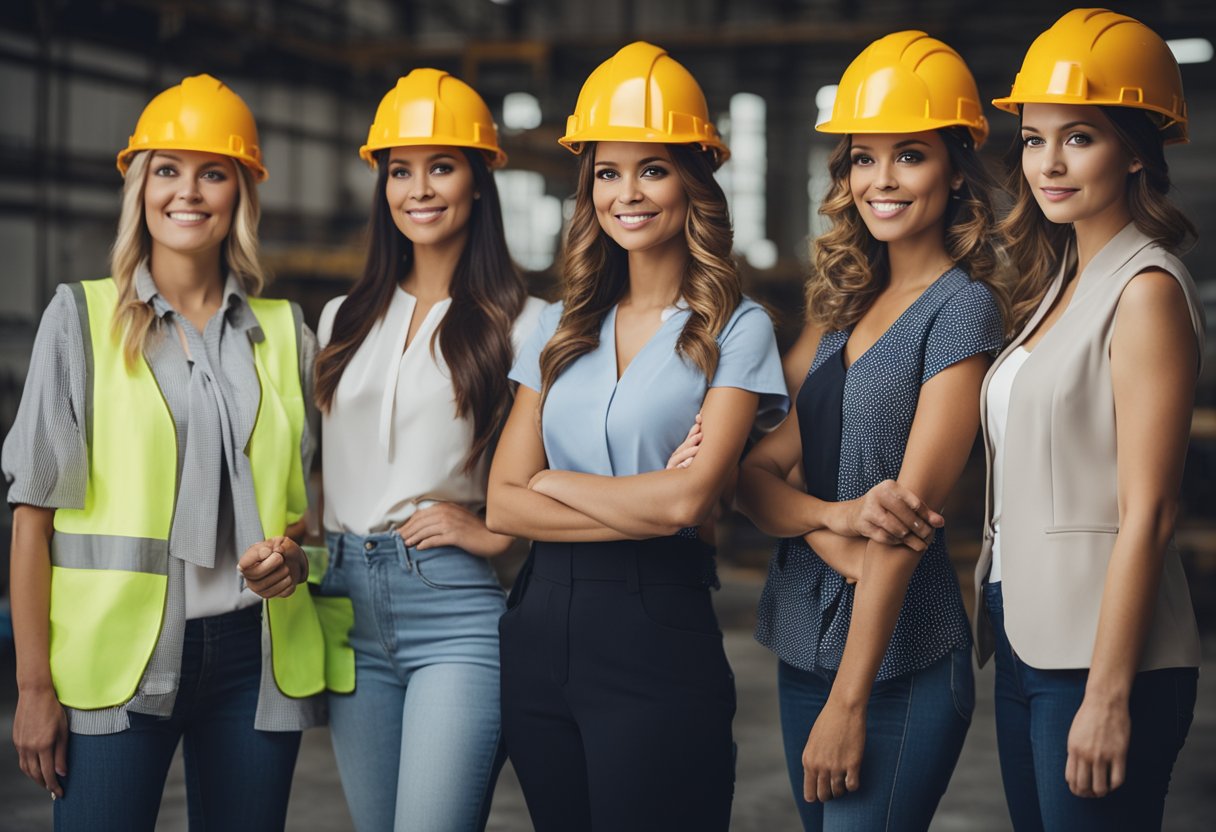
901 183
639 199
1074 162
189 200
430 191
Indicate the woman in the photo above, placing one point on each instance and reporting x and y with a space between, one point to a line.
412 382
183 445
868 621
617 696
1087 413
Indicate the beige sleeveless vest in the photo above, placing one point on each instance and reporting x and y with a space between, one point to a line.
1060 512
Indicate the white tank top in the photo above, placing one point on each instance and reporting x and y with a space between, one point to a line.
999 389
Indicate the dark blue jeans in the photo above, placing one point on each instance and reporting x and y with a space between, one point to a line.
237 778
915 727
1034 712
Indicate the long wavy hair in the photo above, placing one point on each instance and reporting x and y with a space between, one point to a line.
134 321
487 294
1037 246
595 270
850 267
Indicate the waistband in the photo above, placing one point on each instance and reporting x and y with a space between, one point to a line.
662 560
379 544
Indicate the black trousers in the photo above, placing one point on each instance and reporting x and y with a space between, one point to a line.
617 696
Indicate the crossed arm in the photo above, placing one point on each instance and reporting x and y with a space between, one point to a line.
943 431
529 500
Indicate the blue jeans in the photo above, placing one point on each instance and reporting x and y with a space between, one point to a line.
237 778
1034 713
418 742
915 727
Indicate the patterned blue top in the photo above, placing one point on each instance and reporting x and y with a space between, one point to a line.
806 606
597 424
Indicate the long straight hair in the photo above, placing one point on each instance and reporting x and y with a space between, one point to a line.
1037 246
134 321
487 294
595 269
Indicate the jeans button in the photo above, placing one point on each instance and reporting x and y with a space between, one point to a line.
369 545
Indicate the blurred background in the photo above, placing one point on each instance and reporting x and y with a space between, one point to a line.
75 74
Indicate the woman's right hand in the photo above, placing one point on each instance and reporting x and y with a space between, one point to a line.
889 513
40 733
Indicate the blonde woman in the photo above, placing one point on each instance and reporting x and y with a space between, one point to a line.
862 606
1082 596
617 696
155 466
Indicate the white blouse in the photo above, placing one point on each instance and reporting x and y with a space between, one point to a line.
999 390
392 442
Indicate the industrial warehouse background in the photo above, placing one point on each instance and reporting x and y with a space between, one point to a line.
74 76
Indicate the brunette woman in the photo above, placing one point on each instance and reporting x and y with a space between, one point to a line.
412 381
617 696
862 606
1087 414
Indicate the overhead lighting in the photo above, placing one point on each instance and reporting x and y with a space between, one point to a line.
520 111
825 98
1191 50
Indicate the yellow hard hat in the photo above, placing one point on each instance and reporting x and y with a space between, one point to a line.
641 94
1095 56
429 106
200 113
907 82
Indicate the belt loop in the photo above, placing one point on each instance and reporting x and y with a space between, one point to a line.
405 550
632 578
570 554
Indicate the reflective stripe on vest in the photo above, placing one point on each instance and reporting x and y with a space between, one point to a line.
110 558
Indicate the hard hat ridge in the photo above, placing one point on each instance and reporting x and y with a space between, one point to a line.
642 94
200 113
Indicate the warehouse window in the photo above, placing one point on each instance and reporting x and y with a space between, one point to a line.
531 218
743 178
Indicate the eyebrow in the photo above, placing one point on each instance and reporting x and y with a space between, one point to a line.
904 143
214 163
1067 126
434 158
648 160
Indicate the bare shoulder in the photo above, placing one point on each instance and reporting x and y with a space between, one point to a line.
1154 298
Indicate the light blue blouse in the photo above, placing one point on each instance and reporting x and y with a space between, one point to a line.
595 424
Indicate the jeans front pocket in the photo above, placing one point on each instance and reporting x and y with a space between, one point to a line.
451 568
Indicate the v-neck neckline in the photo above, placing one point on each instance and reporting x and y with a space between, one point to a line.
849 333
611 324
411 302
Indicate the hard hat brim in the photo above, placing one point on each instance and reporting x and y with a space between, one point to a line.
1013 104
495 156
576 143
887 125
123 161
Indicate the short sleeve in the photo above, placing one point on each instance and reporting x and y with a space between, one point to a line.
45 461
526 370
526 321
749 360
325 326
967 324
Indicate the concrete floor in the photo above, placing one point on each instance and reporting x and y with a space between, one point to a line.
974 801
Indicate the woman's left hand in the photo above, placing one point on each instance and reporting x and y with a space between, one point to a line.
831 761
274 567
448 524
1097 747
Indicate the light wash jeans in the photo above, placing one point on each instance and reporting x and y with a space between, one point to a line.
418 742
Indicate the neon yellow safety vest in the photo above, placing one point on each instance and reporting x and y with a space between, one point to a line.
109 560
